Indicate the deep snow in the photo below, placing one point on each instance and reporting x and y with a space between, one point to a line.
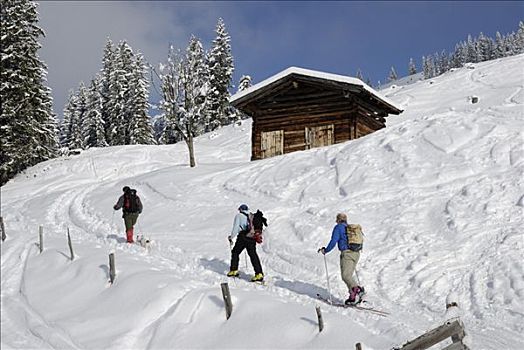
439 193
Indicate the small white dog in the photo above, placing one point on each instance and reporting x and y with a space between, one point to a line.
143 241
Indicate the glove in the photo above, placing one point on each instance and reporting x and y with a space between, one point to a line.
322 250
230 240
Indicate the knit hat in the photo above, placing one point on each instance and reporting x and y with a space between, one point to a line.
342 217
243 207
126 189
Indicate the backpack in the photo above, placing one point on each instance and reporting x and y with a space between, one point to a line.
355 237
255 225
131 202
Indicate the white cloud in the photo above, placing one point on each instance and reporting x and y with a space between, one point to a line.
76 33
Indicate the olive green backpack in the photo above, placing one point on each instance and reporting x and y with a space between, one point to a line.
355 237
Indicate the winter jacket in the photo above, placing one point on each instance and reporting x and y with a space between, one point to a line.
240 223
120 204
338 236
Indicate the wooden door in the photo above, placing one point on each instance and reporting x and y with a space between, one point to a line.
318 136
272 143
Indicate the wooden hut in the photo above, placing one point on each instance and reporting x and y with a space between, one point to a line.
298 109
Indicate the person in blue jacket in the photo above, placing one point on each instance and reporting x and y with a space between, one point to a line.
349 256
240 230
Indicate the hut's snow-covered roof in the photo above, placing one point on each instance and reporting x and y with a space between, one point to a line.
314 74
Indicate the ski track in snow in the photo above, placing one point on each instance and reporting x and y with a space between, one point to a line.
440 200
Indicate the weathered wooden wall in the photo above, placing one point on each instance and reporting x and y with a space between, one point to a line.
347 126
295 104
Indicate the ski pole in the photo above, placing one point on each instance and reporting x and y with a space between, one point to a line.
327 279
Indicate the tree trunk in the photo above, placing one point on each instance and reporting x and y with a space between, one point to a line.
191 148
188 138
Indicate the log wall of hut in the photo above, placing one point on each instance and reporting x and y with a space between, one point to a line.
296 105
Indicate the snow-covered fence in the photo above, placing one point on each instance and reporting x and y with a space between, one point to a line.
2 228
452 328
41 237
112 270
227 299
320 319
70 245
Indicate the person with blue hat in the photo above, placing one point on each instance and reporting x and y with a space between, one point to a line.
244 240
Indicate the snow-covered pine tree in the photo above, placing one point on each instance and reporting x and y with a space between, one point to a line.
120 94
195 81
484 48
29 127
93 129
171 85
443 64
392 75
244 83
108 64
509 43
140 130
436 64
412 69
68 114
220 62
500 49
471 55
75 139
457 58
519 38
428 66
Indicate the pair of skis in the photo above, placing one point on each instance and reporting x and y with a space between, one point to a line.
356 306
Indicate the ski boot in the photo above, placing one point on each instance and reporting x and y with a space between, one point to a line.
355 296
233 273
259 277
129 235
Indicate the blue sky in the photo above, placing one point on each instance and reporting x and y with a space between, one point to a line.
266 37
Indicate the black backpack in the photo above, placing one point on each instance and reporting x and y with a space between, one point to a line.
131 202
259 221
255 225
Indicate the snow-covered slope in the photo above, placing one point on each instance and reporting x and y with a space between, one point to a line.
439 193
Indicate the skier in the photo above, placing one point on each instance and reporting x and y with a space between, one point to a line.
241 228
349 256
131 208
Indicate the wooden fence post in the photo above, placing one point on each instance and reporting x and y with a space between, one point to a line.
112 271
227 299
2 227
70 245
41 235
320 320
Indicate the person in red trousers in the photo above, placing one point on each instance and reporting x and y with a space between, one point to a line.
131 208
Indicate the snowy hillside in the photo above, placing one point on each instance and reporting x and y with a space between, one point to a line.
439 193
